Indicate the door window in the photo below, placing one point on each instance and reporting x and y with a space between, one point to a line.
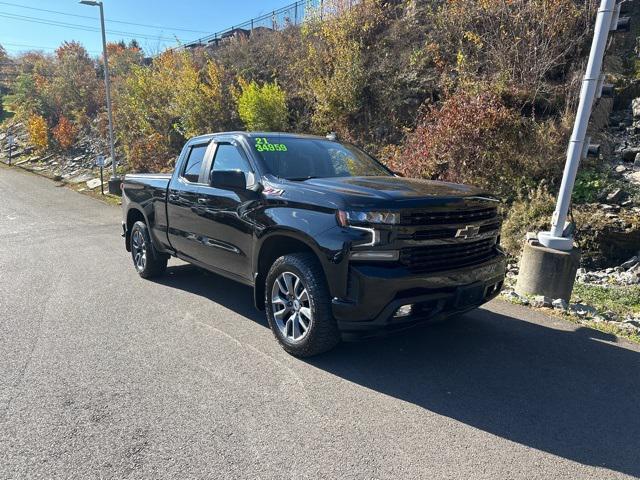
229 158
191 171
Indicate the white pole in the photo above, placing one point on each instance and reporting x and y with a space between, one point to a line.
588 92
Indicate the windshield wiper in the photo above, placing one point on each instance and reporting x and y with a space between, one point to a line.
301 179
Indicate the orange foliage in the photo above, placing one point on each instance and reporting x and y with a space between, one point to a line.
65 133
150 154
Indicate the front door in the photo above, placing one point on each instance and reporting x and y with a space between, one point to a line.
227 235
182 202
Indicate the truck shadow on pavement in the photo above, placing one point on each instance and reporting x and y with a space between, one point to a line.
564 392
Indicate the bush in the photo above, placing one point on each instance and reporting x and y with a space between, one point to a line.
469 139
530 213
38 132
262 107
523 45
150 154
332 69
65 133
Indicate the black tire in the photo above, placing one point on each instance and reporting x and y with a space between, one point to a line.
150 263
322 333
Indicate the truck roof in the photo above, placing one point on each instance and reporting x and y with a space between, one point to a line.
248 135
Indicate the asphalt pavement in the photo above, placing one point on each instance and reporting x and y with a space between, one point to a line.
106 375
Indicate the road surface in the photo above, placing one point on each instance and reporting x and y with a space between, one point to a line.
106 375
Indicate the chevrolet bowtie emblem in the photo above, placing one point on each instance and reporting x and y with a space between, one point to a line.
470 231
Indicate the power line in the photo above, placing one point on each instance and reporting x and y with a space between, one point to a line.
108 21
85 28
37 46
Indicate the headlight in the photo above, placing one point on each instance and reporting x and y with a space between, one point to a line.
351 217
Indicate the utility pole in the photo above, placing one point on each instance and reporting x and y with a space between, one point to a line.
114 181
549 261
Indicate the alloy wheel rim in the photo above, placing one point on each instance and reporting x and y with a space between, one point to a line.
139 247
291 307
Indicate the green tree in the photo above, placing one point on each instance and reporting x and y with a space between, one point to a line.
262 107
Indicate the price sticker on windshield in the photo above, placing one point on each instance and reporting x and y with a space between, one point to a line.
263 145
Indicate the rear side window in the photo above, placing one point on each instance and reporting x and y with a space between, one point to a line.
191 171
229 158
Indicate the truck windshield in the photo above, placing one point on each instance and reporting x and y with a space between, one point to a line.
303 158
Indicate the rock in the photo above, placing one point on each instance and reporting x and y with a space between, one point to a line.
629 278
636 159
541 301
560 304
582 310
635 107
621 169
81 178
609 208
634 177
629 154
633 261
617 196
632 321
57 178
91 184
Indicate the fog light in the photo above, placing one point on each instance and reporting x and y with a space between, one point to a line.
404 311
382 255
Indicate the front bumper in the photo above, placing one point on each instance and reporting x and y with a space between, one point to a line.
376 292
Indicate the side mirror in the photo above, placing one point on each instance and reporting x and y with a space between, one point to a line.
228 179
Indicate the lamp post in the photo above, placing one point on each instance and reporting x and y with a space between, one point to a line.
114 181
549 260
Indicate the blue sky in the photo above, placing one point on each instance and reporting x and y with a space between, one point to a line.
186 19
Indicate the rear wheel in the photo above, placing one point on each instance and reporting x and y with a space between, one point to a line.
298 306
146 260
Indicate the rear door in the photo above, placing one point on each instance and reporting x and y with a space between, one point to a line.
182 200
227 235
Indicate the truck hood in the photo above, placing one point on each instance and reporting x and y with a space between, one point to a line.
391 192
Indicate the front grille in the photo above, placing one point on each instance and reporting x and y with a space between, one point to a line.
449 232
447 217
435 258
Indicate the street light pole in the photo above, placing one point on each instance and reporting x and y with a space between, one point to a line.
549 261
113 181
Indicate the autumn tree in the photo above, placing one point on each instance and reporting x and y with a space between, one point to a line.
64 133
74 84
262 107
201 97
333 65
38 132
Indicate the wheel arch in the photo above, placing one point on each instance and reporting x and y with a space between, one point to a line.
133 215
272 247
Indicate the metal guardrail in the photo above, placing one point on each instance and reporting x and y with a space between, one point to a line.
289 15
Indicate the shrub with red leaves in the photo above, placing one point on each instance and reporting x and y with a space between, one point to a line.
65 133
468 139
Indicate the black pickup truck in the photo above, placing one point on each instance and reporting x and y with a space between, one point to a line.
334 244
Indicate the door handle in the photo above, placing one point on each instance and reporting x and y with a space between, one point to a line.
174 197
202 201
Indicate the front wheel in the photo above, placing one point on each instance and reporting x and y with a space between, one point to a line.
298 306
147 261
